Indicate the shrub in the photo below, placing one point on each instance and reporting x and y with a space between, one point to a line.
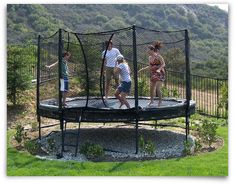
32 146
165 91
198 145
19 135
91 150
208 131
223 101
146 146
187 148
51 143
143 87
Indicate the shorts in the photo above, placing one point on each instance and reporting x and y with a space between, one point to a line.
157 76
125 87
64 84
109 73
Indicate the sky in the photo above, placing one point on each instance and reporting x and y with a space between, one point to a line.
221 6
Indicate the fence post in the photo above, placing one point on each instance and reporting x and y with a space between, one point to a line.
38 83
217 96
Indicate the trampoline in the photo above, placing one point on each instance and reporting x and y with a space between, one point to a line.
97 111
85 101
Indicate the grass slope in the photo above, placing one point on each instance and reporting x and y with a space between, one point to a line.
208 164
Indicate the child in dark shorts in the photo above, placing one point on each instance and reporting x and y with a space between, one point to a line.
124 88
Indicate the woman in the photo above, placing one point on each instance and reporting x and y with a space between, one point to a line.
157 71
124 88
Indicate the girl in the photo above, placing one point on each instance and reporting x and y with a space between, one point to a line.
157 71
124 88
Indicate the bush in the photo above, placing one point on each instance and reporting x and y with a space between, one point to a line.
146 146
143 87
198 145
32 147
51 143
208 131
187 148
19 136
91 150
223 101
165 91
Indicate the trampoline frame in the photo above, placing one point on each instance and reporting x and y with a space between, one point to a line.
133 115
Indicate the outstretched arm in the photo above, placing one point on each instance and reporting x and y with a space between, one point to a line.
52 65
143 69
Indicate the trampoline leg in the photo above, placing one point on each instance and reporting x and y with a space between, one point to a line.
65 126
60 155
187 127
78 132
64 134
39 127
136 137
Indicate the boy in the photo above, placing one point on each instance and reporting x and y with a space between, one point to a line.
64 82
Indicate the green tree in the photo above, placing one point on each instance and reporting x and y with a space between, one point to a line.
19 61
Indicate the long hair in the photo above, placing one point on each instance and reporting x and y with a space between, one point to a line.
156 46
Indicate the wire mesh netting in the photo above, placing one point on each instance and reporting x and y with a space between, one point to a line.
87 68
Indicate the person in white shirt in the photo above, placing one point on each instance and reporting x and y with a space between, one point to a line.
110 64
123 89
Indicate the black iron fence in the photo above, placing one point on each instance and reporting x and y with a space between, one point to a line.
210 94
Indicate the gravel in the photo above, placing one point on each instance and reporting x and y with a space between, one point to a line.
119 143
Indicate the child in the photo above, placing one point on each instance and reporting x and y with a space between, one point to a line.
110 64
64 82
124 88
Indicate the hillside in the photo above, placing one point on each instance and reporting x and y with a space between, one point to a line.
208 26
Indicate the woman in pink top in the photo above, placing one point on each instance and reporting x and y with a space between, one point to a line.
157 71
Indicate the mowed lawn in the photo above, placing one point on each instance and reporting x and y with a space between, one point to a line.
207 164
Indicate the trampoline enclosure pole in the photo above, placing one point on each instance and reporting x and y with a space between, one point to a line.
59 68
60 49
188 82
136 87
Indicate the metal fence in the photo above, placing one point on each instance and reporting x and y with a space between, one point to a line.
209 93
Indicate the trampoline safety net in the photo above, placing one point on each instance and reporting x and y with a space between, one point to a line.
86 66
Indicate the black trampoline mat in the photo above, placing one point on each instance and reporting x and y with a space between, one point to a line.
113 103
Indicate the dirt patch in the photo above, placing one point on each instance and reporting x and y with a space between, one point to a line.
219 143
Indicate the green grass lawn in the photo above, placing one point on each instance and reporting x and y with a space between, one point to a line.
207 164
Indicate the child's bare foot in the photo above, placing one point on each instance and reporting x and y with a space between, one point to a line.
150 103
159 104
121 105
